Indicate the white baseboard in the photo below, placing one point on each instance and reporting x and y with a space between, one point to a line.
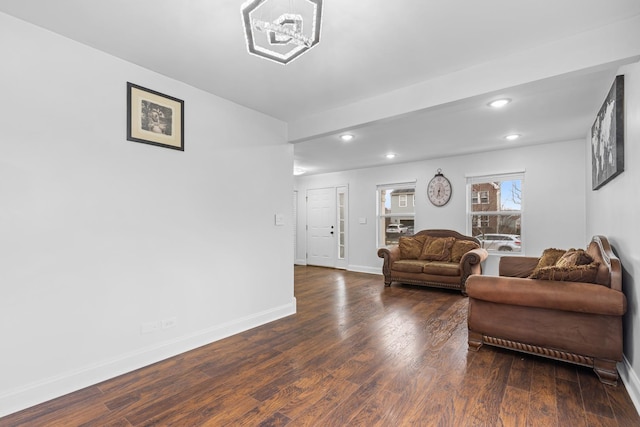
355 268
59 385
300 262
631 381
365 269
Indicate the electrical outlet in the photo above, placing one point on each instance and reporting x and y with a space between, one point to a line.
149 327
169 323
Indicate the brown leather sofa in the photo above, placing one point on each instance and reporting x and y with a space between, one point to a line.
573 321
437 258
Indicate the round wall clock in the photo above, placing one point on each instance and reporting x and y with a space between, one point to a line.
439 189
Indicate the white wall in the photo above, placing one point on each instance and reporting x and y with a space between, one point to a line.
99 234
614 211
553 198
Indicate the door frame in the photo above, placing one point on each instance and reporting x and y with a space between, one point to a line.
337 262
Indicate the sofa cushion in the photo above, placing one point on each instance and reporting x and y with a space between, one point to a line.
548 295
437 248
574 257
442 268
461 247
411 247
573 273
517 266
408 266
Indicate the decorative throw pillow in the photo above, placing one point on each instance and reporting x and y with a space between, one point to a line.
437 248
577 273
461 247
411 247
574 257
549 258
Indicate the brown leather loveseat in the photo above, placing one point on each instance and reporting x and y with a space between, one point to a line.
438 258
551 308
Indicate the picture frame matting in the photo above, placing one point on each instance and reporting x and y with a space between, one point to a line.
154 118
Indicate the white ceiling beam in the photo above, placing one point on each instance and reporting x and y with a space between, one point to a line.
612 45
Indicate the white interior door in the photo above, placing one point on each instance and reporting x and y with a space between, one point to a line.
321 227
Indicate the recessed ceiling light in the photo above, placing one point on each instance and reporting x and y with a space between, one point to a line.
346 137
512 137
298 171
499 103
390 156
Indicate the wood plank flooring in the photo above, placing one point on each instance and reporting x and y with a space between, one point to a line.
355 354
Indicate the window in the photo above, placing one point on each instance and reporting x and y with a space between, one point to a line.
480 197
482 221
495 210
341 223
395 215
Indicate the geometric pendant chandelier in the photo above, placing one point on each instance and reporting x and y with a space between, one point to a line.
281 30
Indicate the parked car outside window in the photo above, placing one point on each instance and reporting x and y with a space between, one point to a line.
397 228
500 242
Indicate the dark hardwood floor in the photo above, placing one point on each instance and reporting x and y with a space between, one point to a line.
355 354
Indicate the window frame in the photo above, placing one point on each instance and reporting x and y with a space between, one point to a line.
493 178
381 217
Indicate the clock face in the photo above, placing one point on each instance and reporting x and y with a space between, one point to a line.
439 190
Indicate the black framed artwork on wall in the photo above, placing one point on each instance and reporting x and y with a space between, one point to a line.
154 118
607 137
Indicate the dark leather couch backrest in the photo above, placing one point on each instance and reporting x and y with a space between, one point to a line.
610 270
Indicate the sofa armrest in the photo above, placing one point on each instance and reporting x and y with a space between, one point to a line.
474 257
471 263
550 294
390 254
517 266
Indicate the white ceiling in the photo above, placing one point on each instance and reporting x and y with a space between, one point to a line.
367 48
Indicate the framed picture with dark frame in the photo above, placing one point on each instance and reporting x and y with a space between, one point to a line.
607 137
154 118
